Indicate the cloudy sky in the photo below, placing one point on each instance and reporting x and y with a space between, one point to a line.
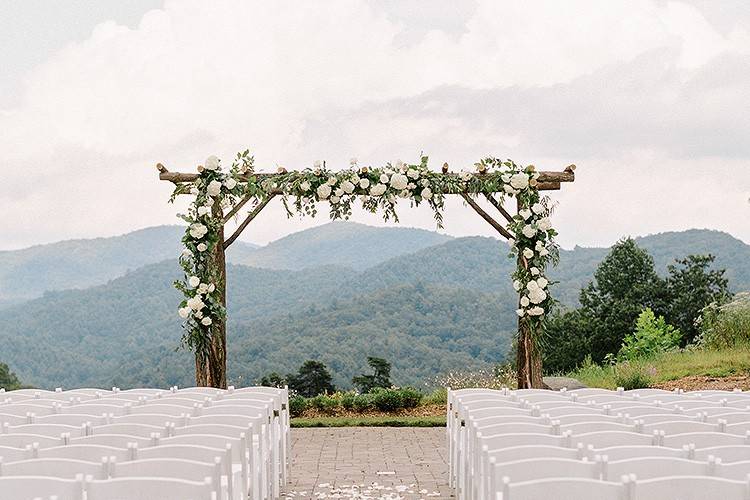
650 98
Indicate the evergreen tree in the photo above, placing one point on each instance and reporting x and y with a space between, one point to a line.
567 341
8 380
381 376
273 379
692 285
625 284
313 378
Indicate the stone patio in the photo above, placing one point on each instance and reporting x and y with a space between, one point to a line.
369 463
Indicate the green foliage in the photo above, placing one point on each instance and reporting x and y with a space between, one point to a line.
324 403
273 379
389 421
568 341
624 284
652 336
8 380
363 402
726 325
692 286
631 376
312 378
388 400
348 399
381 376
297 405
438 396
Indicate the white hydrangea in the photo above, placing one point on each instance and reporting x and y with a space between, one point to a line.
519 181
509 190
338 193
399 165
544 224
331 181
230 183
211 163
537 295
384 178
364 183
324 191
214 188
184 312
537 208
529 231
304 186
399 181
525 213
194 191
404 193
334 199
528 253
203 289
206 321
542 282
517 285
505 178
195 303
536 311
377 190
425 183
413 173
198 230
544 252
348 187
204 210
426 193
202 247
194 281
525 301
520 313
187 253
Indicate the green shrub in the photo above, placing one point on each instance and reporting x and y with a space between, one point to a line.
652 336
410 397
631 376
348 399
324 403
436 397
363 402
727 325
297 406
388 400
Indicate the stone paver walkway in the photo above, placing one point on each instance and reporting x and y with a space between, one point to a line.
369 463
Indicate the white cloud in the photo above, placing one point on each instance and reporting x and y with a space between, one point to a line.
301 81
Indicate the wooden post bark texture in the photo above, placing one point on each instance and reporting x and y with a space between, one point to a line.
211 367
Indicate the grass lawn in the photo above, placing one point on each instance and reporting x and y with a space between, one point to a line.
382 421
672 366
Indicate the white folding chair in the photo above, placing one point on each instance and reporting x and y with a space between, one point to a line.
86 452
535 469
15 419
727 454
626 452
30 487
11 454
703 440
141 430
689 488
117 440
563 489
157 420
614 438
64 468
149 488
22 440
74 419
175 468
22 409
51 430
651 467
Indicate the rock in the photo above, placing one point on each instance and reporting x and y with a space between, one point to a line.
558 383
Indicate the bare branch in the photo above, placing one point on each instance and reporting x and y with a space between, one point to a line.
247 221
492 222
499 207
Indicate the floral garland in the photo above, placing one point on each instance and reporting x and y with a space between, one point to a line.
377 189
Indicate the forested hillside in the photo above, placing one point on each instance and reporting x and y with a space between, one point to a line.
446 306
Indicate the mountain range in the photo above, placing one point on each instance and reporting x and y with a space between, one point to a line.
103 312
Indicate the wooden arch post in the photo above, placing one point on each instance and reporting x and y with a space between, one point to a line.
211 367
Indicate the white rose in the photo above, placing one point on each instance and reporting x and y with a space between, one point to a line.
520 181
209 202
404 193
544 224
539 245
384 178
413 173
332 181
411 185
520 312
198 314
399 181
211 288
542 282
364 183
187 253
214 188
544 252
528 253
198 230
425 183
339 192
195 303
202 247
212 163
202 288
517 285
537 295
532 285
348 187
525 213
334 199
529 231
206 321
194 281
377 190
525 301
194 191
426 193
534 271
505 178
465 176
537 208
304 186
399 164
324 191
536 311
184 312
204 210
509 189
230 183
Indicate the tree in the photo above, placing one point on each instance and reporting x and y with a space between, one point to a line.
652 336
625 283
273 379
691 286
8 380
313 378
567 342
380 378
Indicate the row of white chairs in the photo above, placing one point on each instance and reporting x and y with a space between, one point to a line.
535 424
245 430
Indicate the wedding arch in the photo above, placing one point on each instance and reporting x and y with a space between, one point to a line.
220 194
